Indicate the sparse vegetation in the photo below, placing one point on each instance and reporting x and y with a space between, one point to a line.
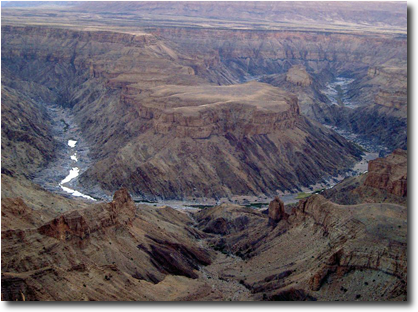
303 195
201 206
257 205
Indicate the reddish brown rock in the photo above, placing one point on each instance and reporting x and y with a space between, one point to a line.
66 226
101 251
123 206
80 223
277 211
389 173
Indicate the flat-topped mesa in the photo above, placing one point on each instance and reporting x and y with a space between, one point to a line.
298 75
242 110
389 173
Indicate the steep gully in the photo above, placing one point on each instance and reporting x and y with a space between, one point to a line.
61 175
73 159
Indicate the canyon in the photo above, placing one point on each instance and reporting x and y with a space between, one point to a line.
112 113
320 250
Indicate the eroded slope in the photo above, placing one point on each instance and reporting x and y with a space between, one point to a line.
157 127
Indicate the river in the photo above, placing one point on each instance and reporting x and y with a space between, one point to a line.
337 92
73 159
72 156
73 174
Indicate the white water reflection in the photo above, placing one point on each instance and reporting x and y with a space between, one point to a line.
74 172
76 193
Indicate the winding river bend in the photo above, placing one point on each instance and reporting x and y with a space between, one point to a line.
73 159
73 174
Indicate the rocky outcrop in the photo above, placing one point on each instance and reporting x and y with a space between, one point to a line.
77 224
328 250
326 215
123 206
116 243
385 182
298 76
276 211
324 251
389 173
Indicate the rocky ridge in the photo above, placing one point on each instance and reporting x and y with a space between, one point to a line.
94 248
318 250
389 173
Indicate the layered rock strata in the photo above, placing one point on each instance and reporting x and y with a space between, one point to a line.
385 181
389 173
322 251
147 115
113 251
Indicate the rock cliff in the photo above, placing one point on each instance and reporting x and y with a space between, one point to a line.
276 211
146 112
385 181
322 250
389 173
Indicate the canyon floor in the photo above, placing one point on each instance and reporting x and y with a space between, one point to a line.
204 151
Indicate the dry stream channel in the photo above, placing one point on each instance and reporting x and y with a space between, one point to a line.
73 159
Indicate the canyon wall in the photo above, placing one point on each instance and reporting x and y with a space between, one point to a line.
26 140
148 114
376 62
252 52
